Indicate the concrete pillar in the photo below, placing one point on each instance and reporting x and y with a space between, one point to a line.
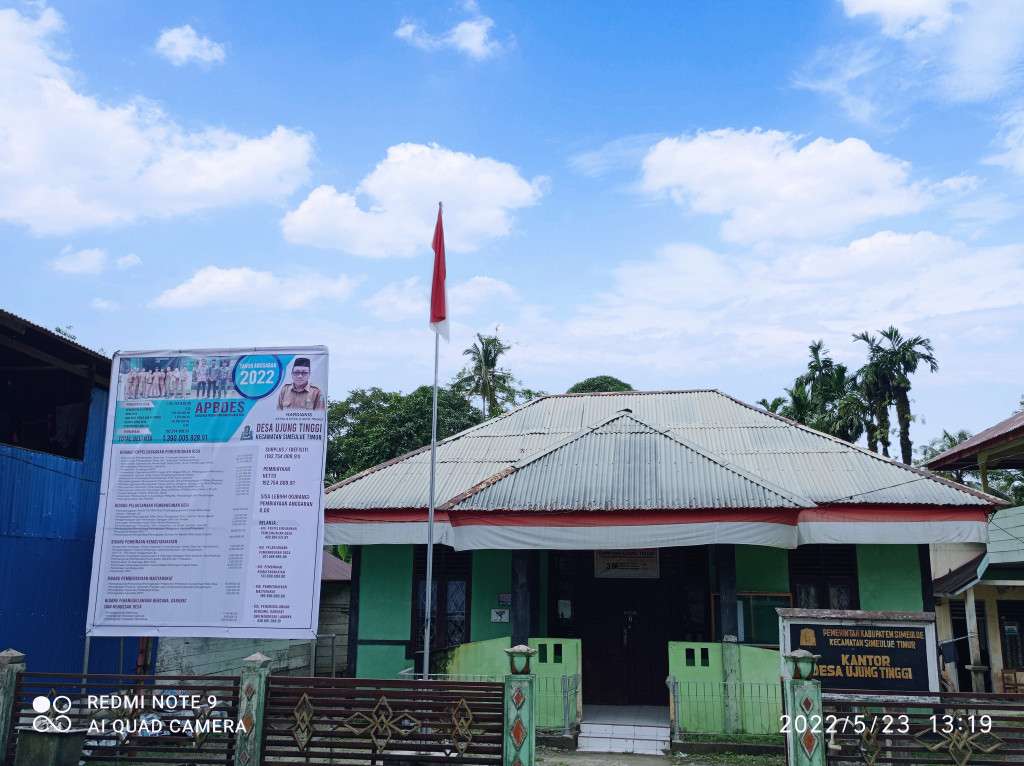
12 663
520 748
924 558
252 702
805 743
977 669
725 567
520 597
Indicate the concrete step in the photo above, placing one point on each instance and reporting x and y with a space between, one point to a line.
623 738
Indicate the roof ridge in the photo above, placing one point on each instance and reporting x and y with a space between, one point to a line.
638 393
721 462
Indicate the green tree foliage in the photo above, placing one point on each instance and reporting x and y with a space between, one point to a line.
826 397
599 384
774 405
372 426
482 377
829 398
892 359
940 444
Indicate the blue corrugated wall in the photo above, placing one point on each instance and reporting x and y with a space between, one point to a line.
48 509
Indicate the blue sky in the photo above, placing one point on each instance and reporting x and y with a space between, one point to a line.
683 195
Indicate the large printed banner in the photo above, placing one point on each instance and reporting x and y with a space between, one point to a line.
211 505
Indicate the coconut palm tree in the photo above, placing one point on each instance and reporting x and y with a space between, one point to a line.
890 365
841 408
875 388
482 377
774 405
905 356
800 407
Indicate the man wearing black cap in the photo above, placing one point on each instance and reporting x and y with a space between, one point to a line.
299 394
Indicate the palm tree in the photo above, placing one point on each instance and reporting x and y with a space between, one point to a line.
940 444
799 407
889 369
482 377
874 384
841 407
819 369
774 405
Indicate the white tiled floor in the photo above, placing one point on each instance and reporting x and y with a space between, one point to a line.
633 729
644 715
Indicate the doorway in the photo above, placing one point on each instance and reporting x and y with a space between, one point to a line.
625 623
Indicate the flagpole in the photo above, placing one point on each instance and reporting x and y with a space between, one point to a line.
430 519
439 314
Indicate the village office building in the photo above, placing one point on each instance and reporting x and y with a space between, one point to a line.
606 527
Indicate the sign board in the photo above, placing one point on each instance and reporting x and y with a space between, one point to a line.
884 651
627 563
211 499
500 615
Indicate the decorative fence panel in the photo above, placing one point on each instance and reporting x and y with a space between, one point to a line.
921 728
132 719
383 721
559 702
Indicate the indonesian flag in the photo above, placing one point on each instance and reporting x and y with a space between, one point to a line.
438 298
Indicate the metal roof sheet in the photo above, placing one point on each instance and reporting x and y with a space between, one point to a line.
1005 437
624 464
776 451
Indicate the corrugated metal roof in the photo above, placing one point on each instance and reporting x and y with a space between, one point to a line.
955 582
20 323
624 464
775 451
1001 435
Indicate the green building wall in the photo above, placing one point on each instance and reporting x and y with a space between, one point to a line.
889 578
492 576
762 569
385 610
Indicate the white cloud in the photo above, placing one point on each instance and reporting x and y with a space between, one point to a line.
767 184
400 300
69 162
256 290
975 46
472 37
88 261
103 304
127 261
409 299
620 154
1011 141
91 261
850 74
470 296
905 18
479 194
182 45
690 313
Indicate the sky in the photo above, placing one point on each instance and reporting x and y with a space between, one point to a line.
682 195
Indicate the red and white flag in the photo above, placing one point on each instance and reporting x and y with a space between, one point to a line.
438 296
